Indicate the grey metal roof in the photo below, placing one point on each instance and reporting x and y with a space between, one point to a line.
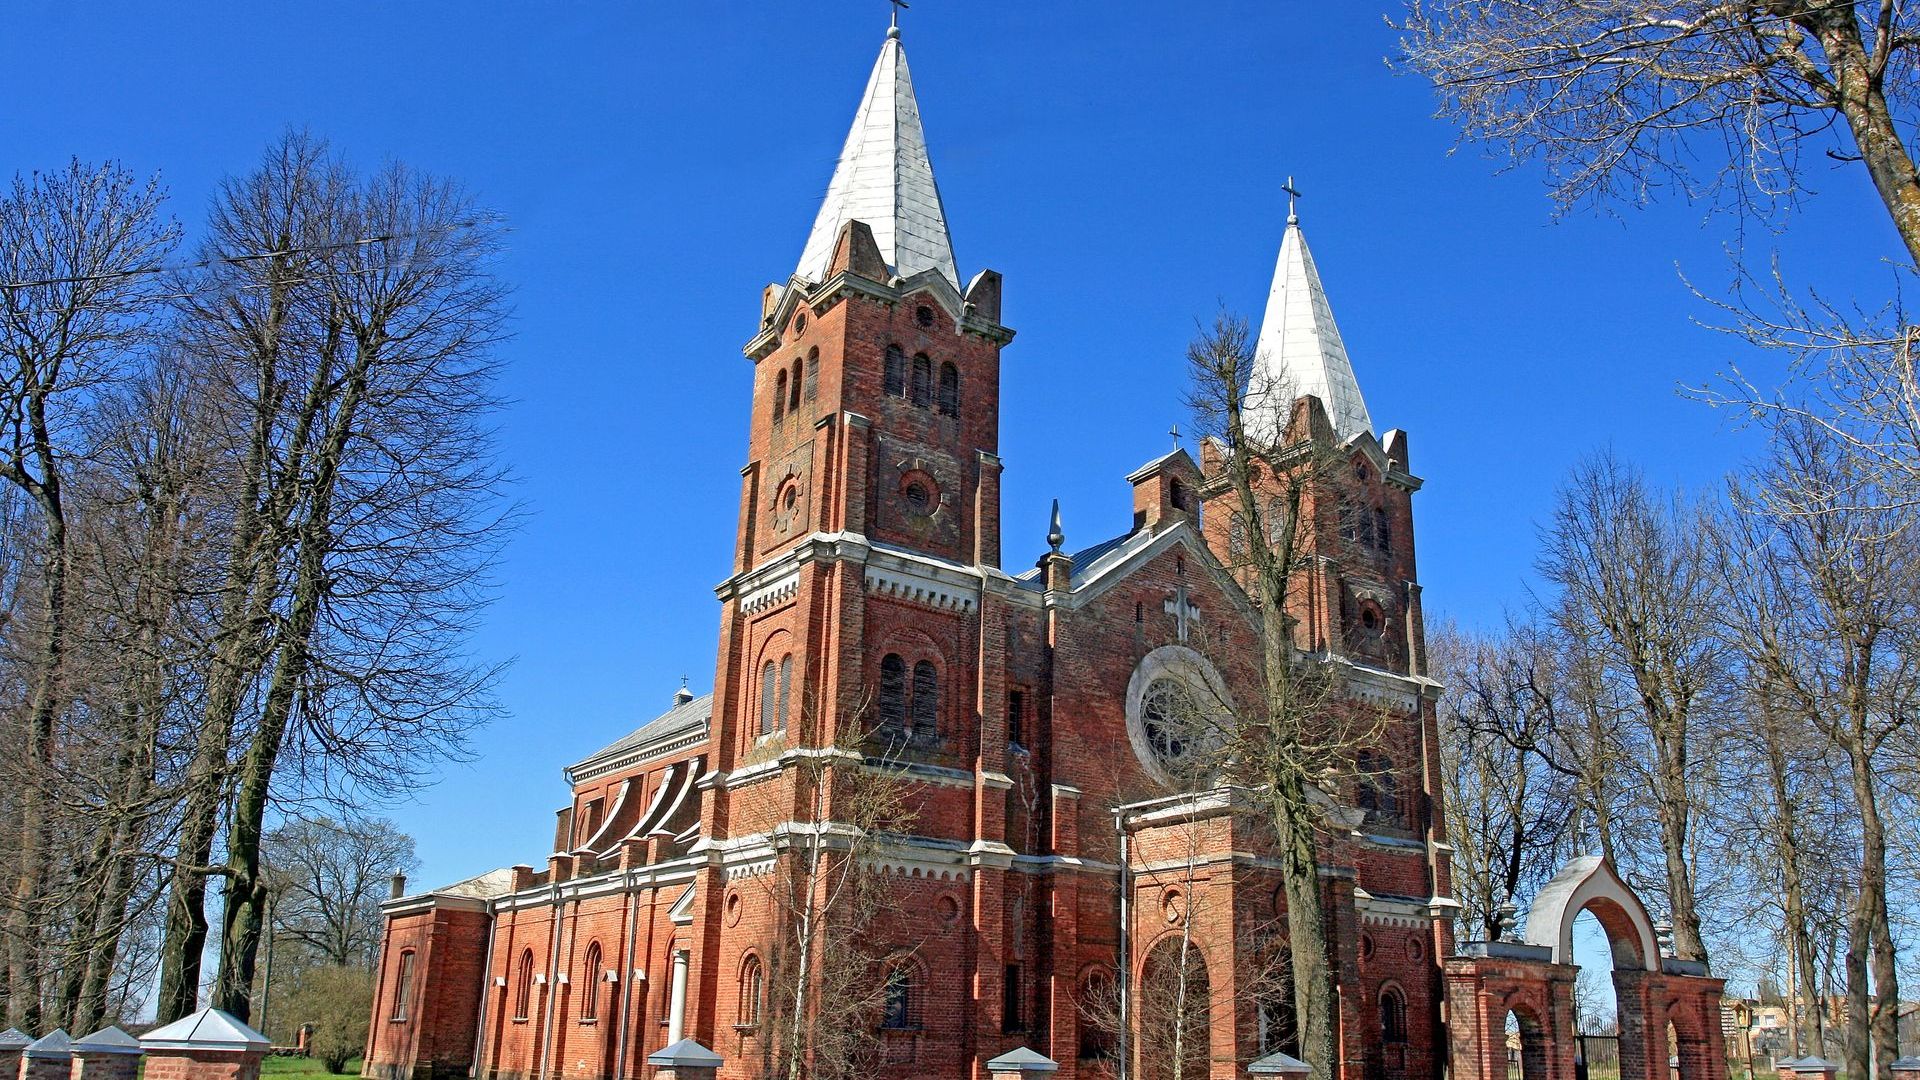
1082 559
208 1029
55 1045
885 179
683 717
108 1040
1300 351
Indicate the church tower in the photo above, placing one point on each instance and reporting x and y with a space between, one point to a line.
868 554
876 375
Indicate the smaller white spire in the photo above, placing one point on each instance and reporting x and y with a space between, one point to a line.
884 178
1299 351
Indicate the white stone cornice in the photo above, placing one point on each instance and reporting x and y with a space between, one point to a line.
920 591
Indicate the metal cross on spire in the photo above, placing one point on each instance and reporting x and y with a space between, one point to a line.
1175 432
894 20
1293 218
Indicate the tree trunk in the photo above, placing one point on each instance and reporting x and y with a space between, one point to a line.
1860 92
25 965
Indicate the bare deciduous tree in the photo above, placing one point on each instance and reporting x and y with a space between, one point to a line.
1617 98
74 248
1639 594
1297 742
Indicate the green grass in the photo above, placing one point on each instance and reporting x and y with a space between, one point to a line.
300 1066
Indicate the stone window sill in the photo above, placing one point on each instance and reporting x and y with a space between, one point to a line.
589 1021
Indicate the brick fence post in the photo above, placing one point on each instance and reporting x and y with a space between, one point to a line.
1906 1068
107 1054
49 1057
1020 1064
12 1042
685 1060
209 1045
1279 1064
1815 1068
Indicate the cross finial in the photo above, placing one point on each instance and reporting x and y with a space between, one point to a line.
893 22
1293 217
1175 432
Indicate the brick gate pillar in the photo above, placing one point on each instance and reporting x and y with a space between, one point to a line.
49 1057
12 1042
107 1054
208 1045
1493 978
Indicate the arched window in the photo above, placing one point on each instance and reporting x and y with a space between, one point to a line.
1237 538
752 987
926 698
896 373
793 389
403 986
1379 787
1393 1016
590 986
786 685
902 1006
767 676
949 390
1382 530
893 691
922 380
523 994
780 395
813 373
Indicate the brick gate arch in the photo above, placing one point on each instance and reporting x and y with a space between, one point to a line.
1488 979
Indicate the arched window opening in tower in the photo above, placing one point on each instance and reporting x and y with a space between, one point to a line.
786 686
780 396
767 677
1393 1016
793 389
949 390
926 698
813 373
922 380
896 372
901 1004
893 692
590 986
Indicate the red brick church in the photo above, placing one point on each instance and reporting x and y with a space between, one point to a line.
872 626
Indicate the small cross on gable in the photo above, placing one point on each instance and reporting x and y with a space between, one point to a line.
1184 613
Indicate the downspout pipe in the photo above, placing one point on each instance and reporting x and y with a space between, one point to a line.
553 988
486 992
1126 961
627 968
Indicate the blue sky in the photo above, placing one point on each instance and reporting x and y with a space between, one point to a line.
1120 162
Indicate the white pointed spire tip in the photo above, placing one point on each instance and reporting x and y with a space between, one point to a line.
885 179
1300 351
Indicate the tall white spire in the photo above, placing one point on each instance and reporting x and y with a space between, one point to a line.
885 180
1299 350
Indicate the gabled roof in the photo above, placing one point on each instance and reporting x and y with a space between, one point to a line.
885 179
683 717
1300 352
14 1039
